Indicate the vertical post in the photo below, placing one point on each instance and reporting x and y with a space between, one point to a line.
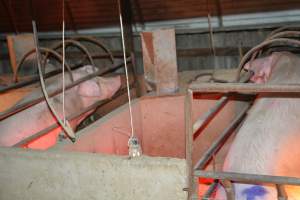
219 12
281 193
70 15
189 142
138 10
229 189
126 12
160 61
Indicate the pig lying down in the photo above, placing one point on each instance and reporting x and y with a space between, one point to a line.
38 117
268 142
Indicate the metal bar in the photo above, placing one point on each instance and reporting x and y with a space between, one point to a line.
210 190
33 79
248 178
202 122
137 8
70 117
281 194
219 12
229 189
248 88
189 141
25 105
221 139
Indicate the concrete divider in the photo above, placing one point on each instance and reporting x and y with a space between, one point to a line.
27 175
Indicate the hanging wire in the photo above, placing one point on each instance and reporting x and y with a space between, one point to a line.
126 71
133 143
63 61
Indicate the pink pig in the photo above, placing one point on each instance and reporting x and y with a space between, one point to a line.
38 117
268 141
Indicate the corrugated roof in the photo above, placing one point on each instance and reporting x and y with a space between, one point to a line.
17 14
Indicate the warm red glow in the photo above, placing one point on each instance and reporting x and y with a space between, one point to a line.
45 141
203 186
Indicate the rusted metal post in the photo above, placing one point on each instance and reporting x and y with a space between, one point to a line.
210 190
189 142
229 189
160 63
281 193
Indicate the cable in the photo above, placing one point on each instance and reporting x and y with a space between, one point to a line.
133 143
66 127
63 62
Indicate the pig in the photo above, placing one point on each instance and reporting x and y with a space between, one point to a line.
268 141
38 117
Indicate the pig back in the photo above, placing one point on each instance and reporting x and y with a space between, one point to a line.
266 142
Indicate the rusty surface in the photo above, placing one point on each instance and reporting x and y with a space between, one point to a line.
18 45
160 62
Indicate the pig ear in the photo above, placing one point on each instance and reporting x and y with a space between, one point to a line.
89 89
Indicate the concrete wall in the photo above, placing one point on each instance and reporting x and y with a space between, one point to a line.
52 175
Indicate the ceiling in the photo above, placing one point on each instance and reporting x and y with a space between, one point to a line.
16 15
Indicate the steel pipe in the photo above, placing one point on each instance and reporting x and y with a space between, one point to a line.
247 88
248 178
210 190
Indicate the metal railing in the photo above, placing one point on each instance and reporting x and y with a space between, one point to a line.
193 129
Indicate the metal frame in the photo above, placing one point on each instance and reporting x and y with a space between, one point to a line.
192 129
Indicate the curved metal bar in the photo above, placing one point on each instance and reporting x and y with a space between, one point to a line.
46 51
282 34
96 42
258 47
71 42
